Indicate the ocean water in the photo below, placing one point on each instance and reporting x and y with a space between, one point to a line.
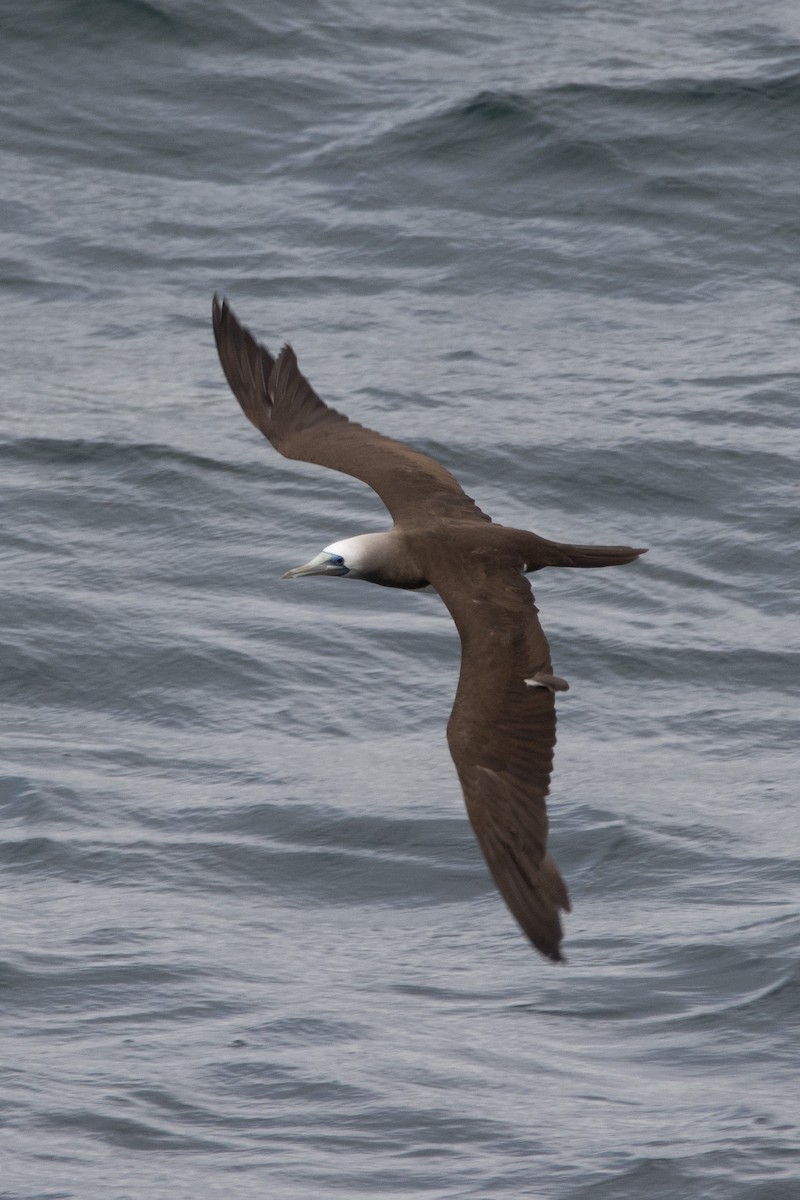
250 948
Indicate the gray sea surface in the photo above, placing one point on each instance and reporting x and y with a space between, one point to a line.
250 948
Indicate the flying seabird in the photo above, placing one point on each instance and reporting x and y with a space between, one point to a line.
501 732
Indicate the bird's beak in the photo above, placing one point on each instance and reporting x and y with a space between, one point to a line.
323 564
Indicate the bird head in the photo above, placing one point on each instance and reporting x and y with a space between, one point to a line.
342 558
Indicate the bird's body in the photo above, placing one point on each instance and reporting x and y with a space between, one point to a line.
501 731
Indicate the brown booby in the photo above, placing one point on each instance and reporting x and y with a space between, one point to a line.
501 732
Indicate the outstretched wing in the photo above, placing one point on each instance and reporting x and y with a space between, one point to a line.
278 399
502 732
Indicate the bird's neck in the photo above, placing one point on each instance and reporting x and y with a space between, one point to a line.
382 558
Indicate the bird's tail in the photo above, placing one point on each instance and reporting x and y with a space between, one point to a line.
539 552
596 556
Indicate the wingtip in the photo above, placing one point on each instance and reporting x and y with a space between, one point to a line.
219 310
550 947
284 363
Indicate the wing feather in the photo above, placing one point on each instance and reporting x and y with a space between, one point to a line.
502 733
277 398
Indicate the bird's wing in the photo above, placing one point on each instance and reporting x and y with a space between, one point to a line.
278 399
502 731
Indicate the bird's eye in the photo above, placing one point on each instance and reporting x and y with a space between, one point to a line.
337 558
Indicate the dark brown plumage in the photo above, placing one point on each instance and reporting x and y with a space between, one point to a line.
501 731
